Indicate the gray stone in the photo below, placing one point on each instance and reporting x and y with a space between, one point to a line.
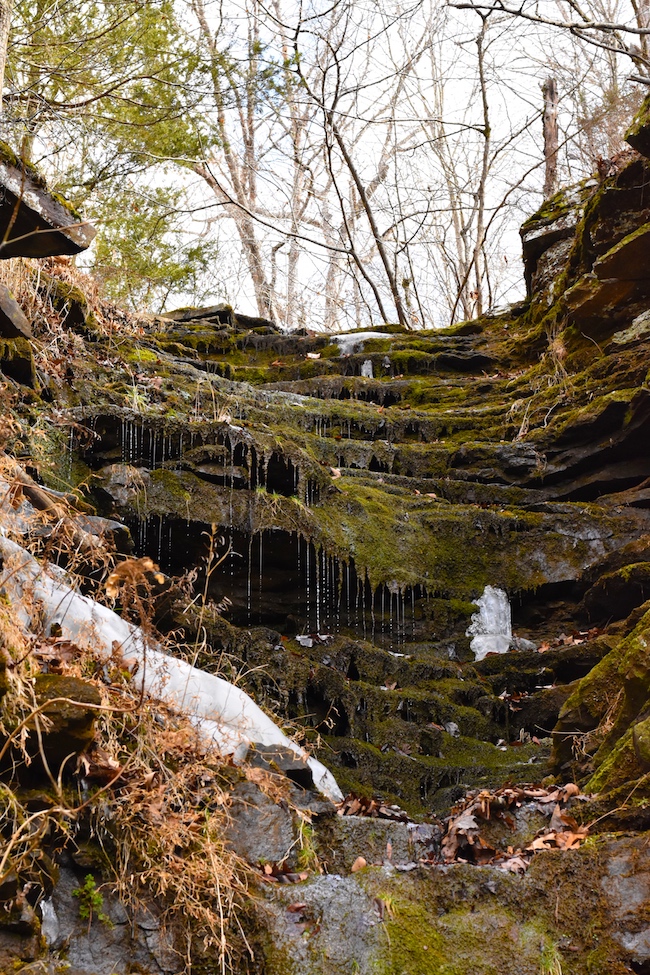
103 949
626 886
337 931
378 841
275 758
260 830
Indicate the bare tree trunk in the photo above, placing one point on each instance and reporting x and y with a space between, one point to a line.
5 23
549 90
367 208
480 265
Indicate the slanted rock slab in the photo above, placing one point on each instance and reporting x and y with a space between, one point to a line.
13 323
33 221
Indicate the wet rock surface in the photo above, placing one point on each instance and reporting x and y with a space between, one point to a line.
352 497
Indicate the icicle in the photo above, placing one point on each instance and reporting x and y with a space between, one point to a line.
347 592
261 535
338 579
249 581
318 581
307 578
232 480
326 588
160 537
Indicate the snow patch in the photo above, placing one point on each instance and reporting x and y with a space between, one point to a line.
222 712
349 342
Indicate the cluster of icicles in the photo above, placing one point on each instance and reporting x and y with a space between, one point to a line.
221 712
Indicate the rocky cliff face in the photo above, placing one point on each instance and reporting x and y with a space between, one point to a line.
352 496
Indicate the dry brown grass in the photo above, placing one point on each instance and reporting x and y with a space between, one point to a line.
149 792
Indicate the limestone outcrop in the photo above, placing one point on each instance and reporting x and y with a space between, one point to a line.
346 500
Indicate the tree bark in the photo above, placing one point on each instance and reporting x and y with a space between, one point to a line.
5 23
549 90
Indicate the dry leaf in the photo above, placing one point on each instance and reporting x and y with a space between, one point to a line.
571 789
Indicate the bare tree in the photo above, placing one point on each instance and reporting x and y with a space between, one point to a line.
5 25
551 138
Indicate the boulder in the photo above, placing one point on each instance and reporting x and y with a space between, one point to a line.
638 135
70 722
17 361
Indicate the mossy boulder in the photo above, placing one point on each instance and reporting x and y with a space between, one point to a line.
17 361
638 134
68 708
602 714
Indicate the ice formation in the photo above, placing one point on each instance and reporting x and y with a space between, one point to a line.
491 627
366 369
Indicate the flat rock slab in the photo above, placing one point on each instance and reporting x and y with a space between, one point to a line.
33 221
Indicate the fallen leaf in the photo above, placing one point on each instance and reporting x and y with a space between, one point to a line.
571 789
358 864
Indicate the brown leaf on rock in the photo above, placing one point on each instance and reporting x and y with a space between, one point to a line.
570 840
569 790
562 820
514 864
463 841
354 805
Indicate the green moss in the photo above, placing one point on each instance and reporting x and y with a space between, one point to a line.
9 156
142 355
426 933
638 134
618 766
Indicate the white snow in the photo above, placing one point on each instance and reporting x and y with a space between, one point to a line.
222 712
349 342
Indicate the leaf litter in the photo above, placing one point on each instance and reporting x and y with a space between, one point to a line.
464 838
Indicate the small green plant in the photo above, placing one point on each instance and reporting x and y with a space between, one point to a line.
91 902
307 856
551 960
